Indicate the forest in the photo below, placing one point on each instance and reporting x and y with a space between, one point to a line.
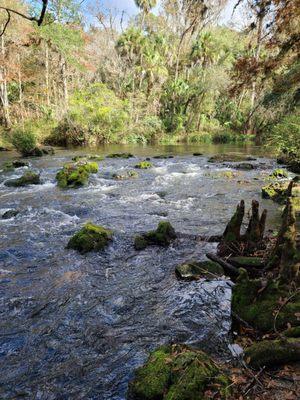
150 199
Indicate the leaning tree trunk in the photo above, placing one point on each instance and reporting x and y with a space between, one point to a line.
3 87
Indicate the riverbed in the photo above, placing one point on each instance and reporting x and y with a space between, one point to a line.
76 326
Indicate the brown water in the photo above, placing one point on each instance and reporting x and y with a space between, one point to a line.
76 327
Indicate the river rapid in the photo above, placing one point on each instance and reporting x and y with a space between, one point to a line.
76 326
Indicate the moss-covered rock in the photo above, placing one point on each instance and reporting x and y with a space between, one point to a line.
74 175
178 373
90 238
125 176
162 236
143 165
271 353
230 157
243 261
275 191
259 305
279 173
29 178
193 270
11 165
245 166
120 155
88 157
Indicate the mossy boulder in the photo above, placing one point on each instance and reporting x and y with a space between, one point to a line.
87 157
230 157
259 305
245 166
120 155
11 165
178 372
90 238
29 178
143 165
270 353
74 175
193 270
243 261
162 236
279 173
125 176
275 191
10 214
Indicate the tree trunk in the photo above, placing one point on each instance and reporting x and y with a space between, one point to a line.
47 73
3 87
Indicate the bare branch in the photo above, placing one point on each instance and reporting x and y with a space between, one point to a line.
6 23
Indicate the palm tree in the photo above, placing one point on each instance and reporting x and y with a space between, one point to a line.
145 6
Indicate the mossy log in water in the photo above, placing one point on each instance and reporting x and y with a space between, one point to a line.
90 238
261 304
162 236
271 353
194 270
234 157
29 178
178 373
233 242
247 262
143 165
75 175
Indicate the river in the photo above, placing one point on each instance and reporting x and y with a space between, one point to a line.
76 326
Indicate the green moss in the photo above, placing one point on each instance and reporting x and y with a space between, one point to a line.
230 157
120 155
292 332
270 353
88 157
90 238
29 178
177 373
143 165
11 165
75 175
194 270
275 191
279 173
259 307
162 236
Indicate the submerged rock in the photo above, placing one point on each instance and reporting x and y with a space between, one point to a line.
162 236
120 155
90 238
10 214
178 372
29 178
76 175
126 175
143 165
193 270
230 157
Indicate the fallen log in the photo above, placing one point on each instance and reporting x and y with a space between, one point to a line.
228 268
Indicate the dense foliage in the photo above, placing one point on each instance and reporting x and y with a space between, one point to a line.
173 75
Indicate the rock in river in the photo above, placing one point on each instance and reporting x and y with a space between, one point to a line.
162 236
90 238
29 178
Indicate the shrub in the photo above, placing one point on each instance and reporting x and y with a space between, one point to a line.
285 136
24 141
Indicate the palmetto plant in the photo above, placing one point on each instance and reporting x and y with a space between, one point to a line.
145 5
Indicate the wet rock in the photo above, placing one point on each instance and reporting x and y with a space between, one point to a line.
11 165
88 157
270 353
10 214
178 372
162 236
90 238
120 155
29 178
162 194
245 166
230 157
74 175
143 165
279 173
221 175
163 157
193 270
126 175
197 154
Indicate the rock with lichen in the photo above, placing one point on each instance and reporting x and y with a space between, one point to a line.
162 236
91 237
178 372
29 178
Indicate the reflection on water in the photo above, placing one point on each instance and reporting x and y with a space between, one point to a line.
76 327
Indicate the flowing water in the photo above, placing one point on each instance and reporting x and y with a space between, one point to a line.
76 326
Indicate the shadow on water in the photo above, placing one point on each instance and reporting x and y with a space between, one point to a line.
76 327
